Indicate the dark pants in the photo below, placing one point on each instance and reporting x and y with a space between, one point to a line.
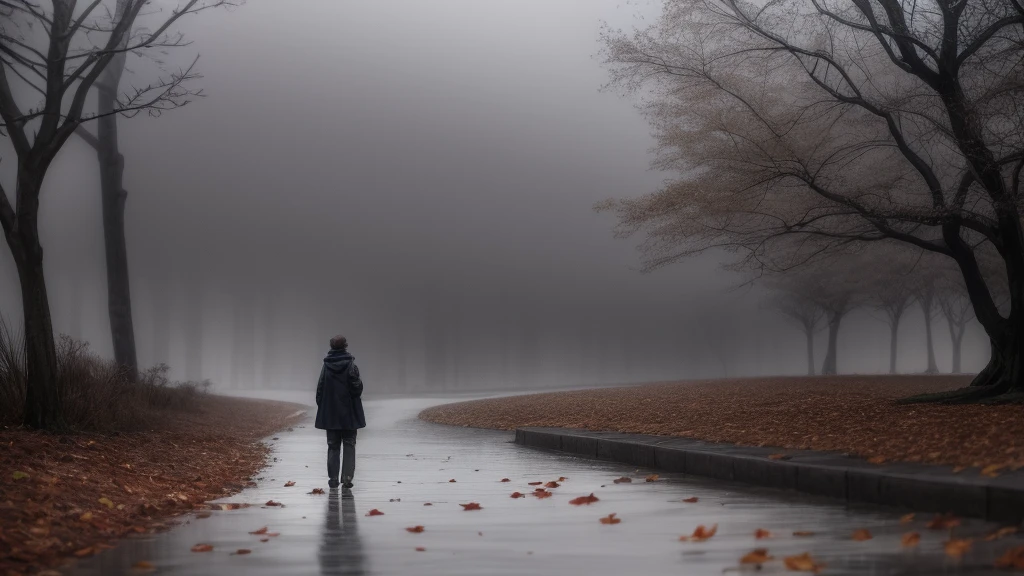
335 440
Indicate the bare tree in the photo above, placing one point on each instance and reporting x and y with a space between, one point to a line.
891 292
836 123
925 294
50 59
956 307
793 298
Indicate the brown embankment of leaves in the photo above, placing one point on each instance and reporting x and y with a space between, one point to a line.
63 496
851 414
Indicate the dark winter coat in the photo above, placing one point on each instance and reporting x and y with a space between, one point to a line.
338 406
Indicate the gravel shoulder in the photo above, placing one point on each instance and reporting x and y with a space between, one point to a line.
66 496
855 415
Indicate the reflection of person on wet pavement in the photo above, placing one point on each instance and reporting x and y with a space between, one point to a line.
339 410
341 552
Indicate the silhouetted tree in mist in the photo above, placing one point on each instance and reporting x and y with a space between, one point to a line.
792 296
50 59
891 290
955 304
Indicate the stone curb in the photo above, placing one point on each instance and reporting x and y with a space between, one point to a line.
917 487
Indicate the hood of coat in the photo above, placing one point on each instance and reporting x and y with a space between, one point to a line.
338 360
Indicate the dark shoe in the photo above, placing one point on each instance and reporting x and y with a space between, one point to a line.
346 482
333 484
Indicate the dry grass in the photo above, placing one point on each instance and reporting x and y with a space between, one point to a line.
850 414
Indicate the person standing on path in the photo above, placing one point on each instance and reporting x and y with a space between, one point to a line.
339 410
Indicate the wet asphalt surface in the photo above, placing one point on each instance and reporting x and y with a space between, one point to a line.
404 463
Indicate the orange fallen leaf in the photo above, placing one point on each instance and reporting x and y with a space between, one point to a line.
803 533
518 495
761 534
610 519
471 506
992 470
534 483
86 517
651 478
317 491
861 534
202 548
583 500
700 534
562 478
242 551
803 563
542 493
876 460
907 518
272 503
272 534
415 529
289 484
959 469
552 485
957 547
261 531
85 552
420 549
1001 533
943 522
910 539
1012 558
505 480
691 500
623 480
757 556
374 512
143 565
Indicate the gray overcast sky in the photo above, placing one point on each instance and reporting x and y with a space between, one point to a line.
417 174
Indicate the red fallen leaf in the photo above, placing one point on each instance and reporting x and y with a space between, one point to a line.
957 547
242 551
610 519
943 522
860 535
700 534
562 478
260 531
272 503
505 480
910 539
471 506
289 484
623 480
272 534
552 485
202 548
518 495
691 500
420 549
542 493
317 491
452 480
583 500
907 518
651 478
1012 558
761 534
1001 533
415 529
374 512
534 483
758 556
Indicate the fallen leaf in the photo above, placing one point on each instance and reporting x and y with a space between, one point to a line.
623 480
957 547
289 484
992 470
471 506
1012 558
861 534
583 500
451 481
907 518
876 460
202 548
761 534
562 478
420 549
85 552
427 504
374 512
242 551
910 539
415 529
106 502
757 556
959 469
552 485
803 533
803 563
86 517
779 457
700 534
610 519
534 483
272 503
19 475
518 495
542 493
143 565
261 531
272 534
943 522
264 539
691 500
317 491
1001 533
505 480
651 478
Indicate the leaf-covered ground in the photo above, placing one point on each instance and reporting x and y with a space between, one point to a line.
73 495
851 414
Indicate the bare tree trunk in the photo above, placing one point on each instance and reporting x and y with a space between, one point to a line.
893 340
193 334
927 306
809 332
829 366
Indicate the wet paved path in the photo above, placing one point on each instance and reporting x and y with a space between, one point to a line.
404 463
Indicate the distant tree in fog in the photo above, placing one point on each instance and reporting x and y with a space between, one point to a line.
50 59
955 304
834 124
891 290
925 293
792 296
